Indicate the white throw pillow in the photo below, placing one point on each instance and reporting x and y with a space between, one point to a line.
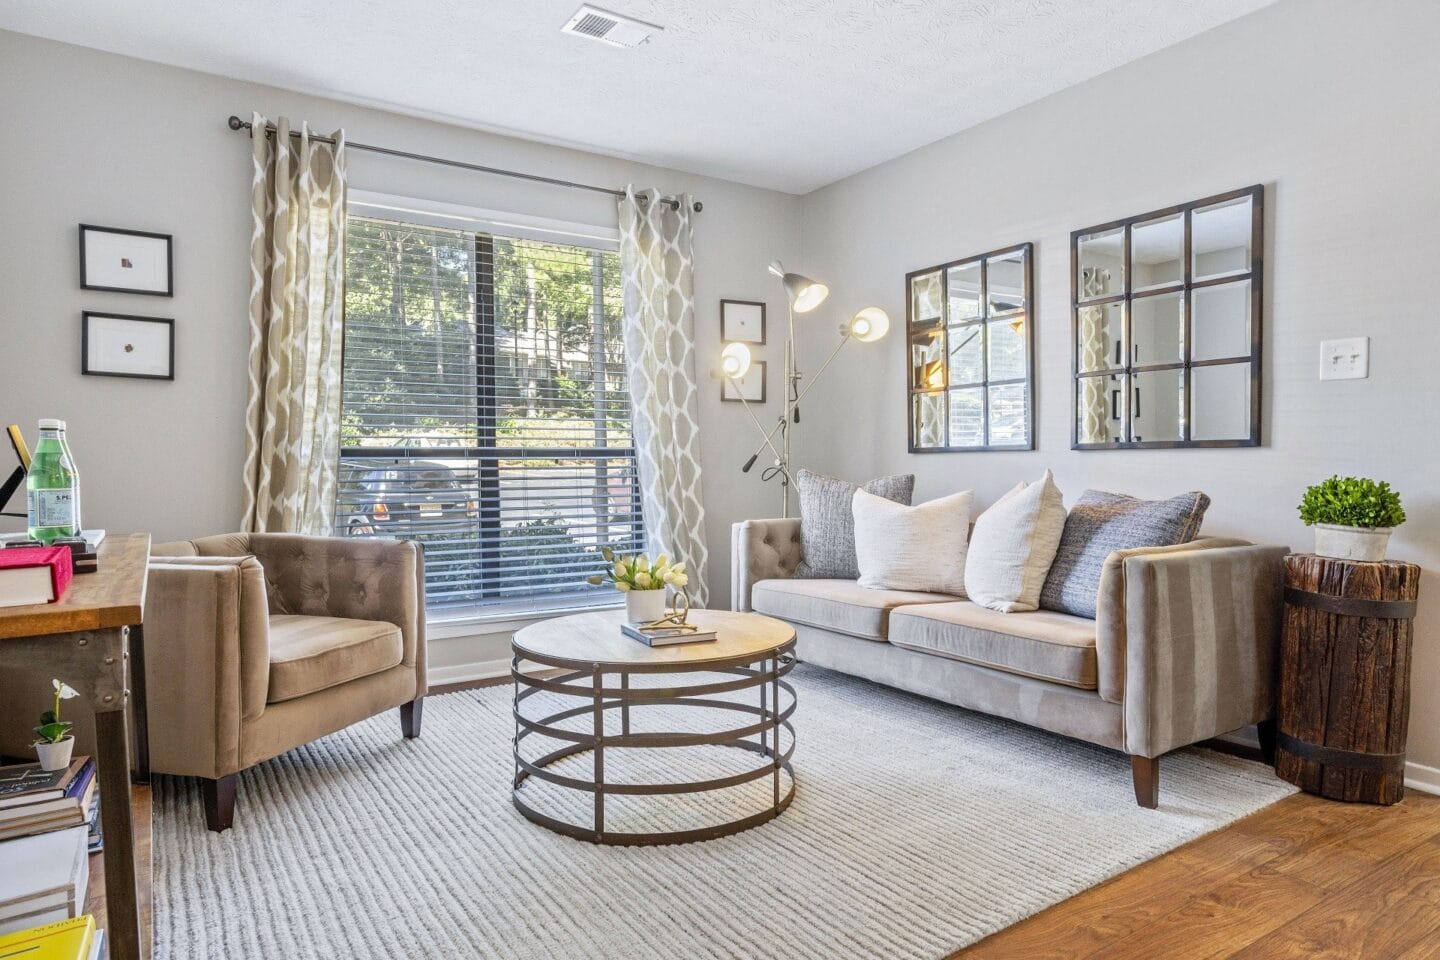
1013 545
912 548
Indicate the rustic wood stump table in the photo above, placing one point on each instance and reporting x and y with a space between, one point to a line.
1345 677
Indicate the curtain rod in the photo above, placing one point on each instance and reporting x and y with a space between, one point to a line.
238 124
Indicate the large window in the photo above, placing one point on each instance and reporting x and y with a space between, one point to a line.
486 412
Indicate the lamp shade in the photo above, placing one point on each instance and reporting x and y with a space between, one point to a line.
805 294
869 325
735 361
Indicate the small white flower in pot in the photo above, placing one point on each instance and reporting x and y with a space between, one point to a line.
53 743
1352 516
643 582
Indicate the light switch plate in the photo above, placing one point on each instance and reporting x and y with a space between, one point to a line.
1347 359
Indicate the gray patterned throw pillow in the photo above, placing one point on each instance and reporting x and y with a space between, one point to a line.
1101 522
827 522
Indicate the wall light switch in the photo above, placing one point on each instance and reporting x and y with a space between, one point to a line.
1347 359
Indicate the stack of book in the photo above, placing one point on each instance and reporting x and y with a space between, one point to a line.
75 939
44 880
36 801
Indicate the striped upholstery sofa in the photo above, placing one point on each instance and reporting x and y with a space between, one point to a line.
1183 647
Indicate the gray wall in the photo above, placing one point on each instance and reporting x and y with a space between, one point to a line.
1330 105
97 138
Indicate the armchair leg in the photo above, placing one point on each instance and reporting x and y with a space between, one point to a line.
410 714
1146 773
1266 730
219 798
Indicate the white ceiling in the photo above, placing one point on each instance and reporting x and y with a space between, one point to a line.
786 94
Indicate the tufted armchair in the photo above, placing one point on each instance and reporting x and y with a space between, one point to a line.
258 643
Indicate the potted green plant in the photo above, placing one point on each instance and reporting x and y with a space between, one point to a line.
1352 517
53 743
643 582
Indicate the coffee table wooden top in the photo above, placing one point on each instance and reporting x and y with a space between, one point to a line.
585 639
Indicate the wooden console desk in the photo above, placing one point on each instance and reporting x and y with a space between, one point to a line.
91 639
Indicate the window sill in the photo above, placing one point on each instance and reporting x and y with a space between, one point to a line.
472 624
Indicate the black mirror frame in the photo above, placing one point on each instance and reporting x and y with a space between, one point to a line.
1028 249
1186 286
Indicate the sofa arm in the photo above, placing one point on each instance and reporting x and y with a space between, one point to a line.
207 649
761 550
1202 636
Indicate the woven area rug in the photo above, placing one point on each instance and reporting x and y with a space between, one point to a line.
917 828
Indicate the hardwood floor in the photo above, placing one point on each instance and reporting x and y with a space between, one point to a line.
1306 878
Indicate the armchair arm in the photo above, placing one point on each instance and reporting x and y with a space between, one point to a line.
1202 634
761 550
207 647
353 577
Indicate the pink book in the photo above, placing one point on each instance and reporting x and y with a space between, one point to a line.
34 574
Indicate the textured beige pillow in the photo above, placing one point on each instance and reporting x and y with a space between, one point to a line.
912 548
1013 545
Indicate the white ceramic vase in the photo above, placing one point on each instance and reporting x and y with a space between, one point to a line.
55 756
1366 544
643 606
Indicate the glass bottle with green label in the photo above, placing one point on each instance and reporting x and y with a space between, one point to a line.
52 487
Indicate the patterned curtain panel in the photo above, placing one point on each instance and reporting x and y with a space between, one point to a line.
297 284
656 270
1094 347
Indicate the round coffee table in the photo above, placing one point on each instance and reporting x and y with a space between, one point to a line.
752 652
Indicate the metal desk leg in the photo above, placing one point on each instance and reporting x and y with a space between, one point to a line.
138 711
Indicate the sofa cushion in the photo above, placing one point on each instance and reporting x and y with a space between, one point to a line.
311 653
840 605
1012 546
1043 644
912 548
827 523
1101 523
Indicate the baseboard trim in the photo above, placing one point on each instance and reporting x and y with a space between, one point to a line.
466 672
1417 775
1422 778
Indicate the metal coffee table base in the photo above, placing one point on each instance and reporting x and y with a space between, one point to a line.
761 737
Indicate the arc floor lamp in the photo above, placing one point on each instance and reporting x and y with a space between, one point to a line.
802 296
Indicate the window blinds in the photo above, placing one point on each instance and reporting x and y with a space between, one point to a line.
486 412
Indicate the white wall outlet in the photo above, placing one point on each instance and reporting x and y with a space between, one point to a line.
1347 359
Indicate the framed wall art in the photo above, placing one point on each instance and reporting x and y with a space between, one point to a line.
120 345
126 261
742 320
750 387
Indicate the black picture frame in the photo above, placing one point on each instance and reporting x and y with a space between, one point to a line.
725 334
726 386
85 284
85 319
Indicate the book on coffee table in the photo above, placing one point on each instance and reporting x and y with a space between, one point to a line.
666 635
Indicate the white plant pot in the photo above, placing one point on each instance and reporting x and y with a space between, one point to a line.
55 756
642 606
1366 544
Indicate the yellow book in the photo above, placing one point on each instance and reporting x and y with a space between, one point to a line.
66 940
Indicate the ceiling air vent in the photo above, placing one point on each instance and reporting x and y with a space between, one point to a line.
607 27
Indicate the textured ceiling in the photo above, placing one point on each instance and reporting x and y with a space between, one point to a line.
787 94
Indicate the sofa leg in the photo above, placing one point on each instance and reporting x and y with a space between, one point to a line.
219 798
1146 773
410 714
1266 730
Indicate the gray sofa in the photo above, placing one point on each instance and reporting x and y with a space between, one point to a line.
1182 649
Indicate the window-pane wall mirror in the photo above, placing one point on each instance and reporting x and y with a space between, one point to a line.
1166 314
971 356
